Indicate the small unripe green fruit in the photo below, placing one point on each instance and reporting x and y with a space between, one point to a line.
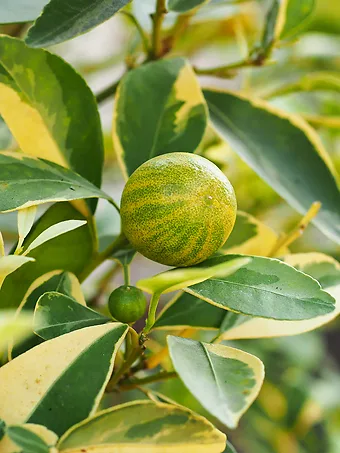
127 304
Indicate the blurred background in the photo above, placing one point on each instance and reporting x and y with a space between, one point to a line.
298 410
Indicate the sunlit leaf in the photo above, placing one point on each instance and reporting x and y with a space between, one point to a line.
144 426
58 22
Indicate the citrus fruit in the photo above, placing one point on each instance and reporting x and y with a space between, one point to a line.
178 209
127 304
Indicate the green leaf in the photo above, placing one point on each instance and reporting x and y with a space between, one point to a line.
162 103
11 263
323 268
15 11
186 310
182 277
267 288
270 140
57 314
51 256
181 6
53 232
58 22
5 135
32 438
297 14
13 328
44 95
62 282
250 237
144 425
60 382
273 26
43 182
28 441
224 380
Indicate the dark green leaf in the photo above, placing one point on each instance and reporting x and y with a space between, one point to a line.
57 314
283 151
61 21
187 310
28 441
5 135
2 428
162 104
267 288
28 181
78 243
224 380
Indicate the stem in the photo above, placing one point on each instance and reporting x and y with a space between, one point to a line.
140 30
298 231
227 71
107 92
157 19
116 245
103 283
133 383
126 270
151 319
124 368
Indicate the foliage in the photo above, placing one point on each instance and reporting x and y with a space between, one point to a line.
181 378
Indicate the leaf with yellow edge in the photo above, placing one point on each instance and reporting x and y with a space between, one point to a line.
49 109
32 438
162 103
28 181
251 237
63 282
51 256
224 380
60 382
53 232
284 150
181 278
323 268
10 263
25 222
144 426
11 326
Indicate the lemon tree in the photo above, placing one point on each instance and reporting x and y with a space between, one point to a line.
122 294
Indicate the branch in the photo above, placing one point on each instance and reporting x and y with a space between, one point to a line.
157 19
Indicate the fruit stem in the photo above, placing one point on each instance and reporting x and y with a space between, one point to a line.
151 319
126 270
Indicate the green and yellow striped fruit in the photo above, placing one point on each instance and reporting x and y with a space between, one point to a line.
178 209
